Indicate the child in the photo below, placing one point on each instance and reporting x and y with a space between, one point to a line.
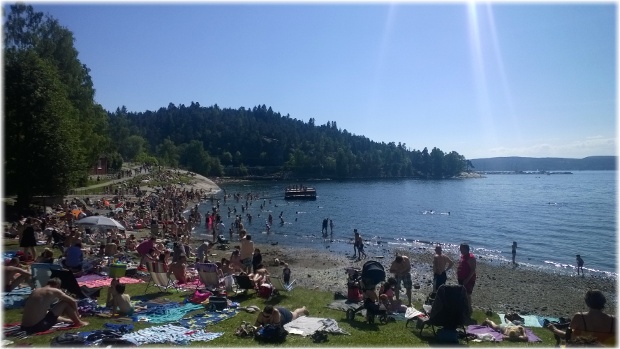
120 300
286 274
580 265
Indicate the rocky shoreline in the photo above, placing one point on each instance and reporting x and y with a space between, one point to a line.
499 287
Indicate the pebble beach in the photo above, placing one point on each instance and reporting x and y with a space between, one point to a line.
499 287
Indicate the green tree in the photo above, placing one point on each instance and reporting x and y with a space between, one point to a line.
133 147
26 30
168 153
41 149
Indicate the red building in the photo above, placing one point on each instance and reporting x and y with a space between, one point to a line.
101 166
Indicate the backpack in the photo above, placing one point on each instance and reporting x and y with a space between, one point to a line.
271 333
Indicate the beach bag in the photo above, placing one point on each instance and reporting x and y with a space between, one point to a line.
271 333
354 294
199 297
217 303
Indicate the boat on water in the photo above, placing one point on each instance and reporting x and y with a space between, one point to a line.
300 193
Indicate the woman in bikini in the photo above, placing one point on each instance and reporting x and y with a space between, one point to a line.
593 323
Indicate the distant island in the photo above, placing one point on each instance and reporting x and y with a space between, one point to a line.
516 163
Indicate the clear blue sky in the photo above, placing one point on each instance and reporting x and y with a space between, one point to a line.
483 80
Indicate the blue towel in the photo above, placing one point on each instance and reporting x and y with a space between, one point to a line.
16 298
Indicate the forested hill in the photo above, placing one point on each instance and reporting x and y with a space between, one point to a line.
545 164
260 142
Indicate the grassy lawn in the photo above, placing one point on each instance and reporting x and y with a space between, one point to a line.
392 334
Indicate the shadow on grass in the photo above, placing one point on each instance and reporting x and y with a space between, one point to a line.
150 296
360 323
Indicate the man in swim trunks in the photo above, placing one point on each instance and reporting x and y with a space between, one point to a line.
466 272
441 264
401 268
39 317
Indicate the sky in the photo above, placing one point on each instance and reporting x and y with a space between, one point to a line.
481 79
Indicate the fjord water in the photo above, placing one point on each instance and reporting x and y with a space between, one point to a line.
552 217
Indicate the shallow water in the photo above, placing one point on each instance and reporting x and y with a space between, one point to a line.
552 217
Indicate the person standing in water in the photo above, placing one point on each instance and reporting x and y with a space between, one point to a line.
514 252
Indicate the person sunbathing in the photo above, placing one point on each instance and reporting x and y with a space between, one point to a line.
510 332
14 275
179 269
40 315
278 315
593 323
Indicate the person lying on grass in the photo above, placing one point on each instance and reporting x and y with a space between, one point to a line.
510 332
40 315
278 315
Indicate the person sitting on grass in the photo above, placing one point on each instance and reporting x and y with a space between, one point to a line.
14 275
118 300
510 332
386 296
179 269
44 307
47 256
279 315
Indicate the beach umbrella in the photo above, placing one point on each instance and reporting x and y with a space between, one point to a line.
100 221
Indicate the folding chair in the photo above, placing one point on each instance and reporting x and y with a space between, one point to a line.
244 283
208 276
159 277
68 282
280 285
450 309
42 272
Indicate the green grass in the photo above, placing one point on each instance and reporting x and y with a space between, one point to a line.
392 334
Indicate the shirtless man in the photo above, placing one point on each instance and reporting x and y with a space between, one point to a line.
441 264
401 268
14 275
39 317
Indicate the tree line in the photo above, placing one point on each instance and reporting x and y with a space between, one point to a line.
260 142
54 131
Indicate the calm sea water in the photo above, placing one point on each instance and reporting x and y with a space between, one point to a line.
552 217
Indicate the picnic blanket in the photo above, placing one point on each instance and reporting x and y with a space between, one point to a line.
344 305
94 280
168 312
14 330
169 334
200 321
485 333
16 298
530 320
306 326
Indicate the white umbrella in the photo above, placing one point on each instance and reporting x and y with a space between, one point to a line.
100 221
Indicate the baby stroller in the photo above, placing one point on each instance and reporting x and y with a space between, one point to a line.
354 290
372 274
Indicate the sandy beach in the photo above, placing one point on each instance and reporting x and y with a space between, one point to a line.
500 288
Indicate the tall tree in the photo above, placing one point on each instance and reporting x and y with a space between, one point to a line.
28 30
41 149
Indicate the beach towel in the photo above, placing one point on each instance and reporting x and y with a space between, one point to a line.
162 313
200 321
483 331
94 280
14 330
344 305
530 320
16 298
169 334
306 326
